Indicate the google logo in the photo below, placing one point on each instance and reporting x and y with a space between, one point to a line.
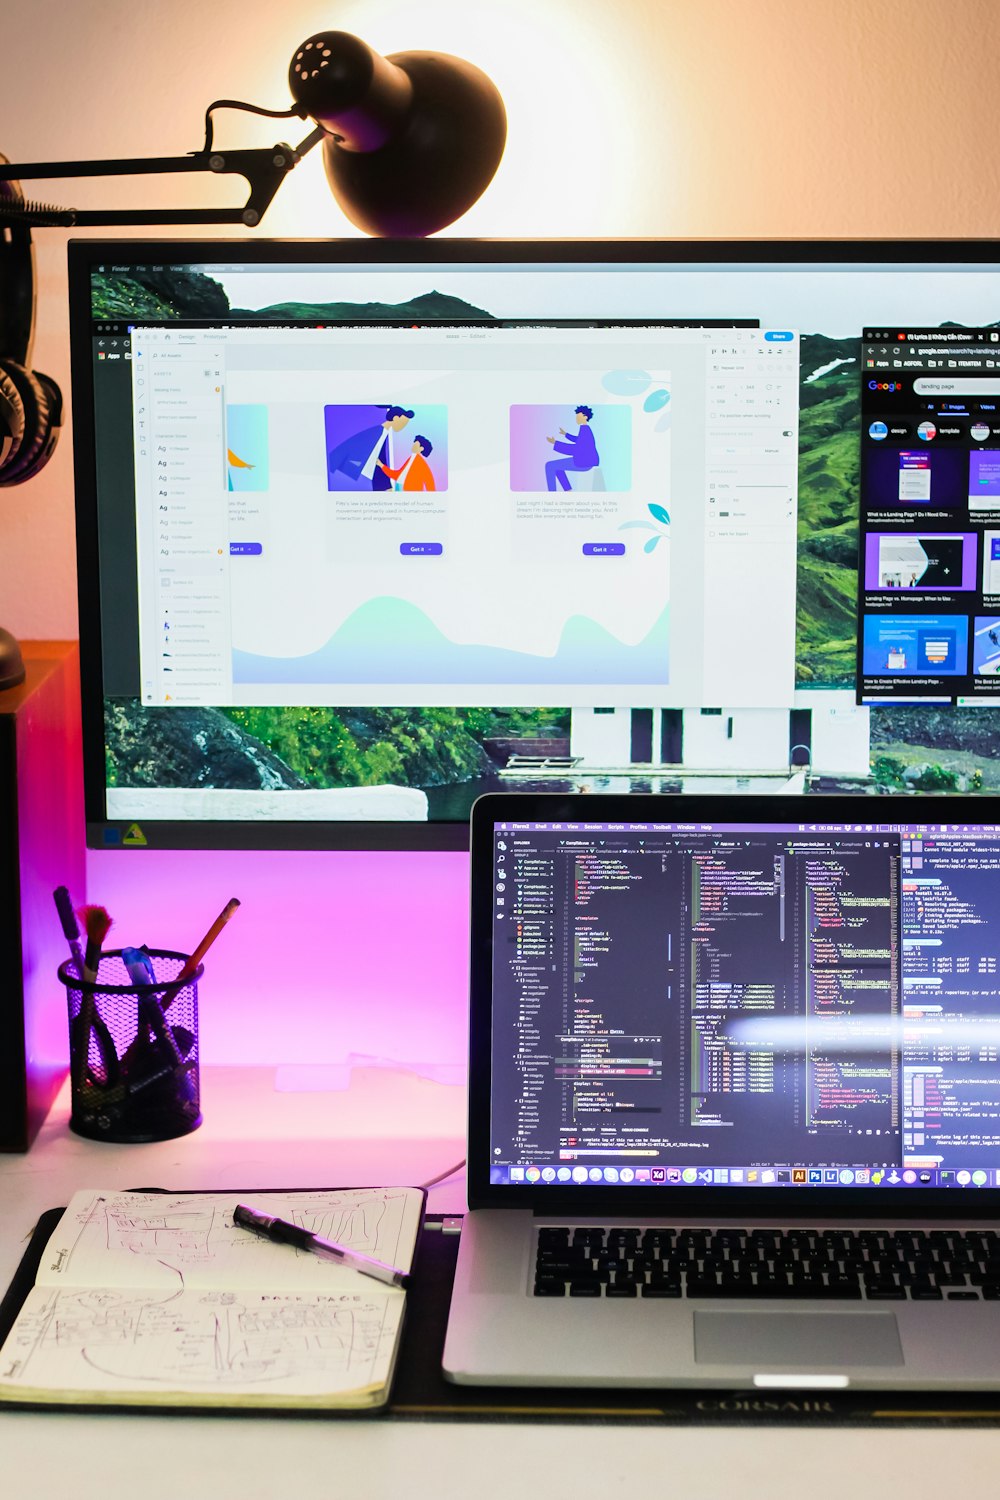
884 385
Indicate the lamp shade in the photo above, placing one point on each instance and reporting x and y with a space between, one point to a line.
413 139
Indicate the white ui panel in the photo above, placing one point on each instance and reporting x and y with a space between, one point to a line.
467 515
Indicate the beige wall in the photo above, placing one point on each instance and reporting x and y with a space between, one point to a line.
628 117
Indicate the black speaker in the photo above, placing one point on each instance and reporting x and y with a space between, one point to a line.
41 847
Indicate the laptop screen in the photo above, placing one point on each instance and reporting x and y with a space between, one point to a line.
745 1004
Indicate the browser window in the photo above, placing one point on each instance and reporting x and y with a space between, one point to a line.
929 583
465 515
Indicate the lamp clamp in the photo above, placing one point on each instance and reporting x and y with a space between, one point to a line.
264 168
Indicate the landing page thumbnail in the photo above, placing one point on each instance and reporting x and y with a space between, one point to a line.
921 560
916 479
915 646
986 646
984 479
247 459
571 447
991 562
391 447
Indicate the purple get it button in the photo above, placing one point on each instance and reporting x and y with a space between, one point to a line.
421 549
604 549
245 549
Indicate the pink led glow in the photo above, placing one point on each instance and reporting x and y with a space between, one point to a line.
330 954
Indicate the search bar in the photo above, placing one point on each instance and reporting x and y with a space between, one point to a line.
959 385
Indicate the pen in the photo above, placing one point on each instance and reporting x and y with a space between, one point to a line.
71 930
142 975
302 1239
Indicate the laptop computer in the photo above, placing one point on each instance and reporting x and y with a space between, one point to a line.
734 1096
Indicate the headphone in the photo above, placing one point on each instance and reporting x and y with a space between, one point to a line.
31 404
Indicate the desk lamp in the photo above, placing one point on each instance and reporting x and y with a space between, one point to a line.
409 143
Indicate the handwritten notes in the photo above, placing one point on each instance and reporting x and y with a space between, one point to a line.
151 1298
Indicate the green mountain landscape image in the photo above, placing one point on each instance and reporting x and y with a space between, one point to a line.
912 747
828 442
829 457
431 307
175 293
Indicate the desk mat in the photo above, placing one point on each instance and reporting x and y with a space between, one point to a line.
420 1392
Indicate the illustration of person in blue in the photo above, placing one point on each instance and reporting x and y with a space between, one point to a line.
580 448
369 453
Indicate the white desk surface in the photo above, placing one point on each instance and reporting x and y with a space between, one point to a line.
395 1128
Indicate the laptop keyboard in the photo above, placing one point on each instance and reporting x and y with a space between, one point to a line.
874 1265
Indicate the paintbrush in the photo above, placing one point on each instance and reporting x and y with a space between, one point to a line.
96 924
177 984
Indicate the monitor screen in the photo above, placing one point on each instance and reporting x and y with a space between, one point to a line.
368 528
746 1002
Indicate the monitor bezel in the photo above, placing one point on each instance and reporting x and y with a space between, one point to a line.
85 254
810 1202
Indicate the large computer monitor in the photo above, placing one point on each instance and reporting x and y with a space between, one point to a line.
366 528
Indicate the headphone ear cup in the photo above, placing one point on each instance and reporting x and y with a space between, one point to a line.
11 421
53 419
41 402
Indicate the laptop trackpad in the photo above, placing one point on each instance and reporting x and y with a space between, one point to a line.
798 1339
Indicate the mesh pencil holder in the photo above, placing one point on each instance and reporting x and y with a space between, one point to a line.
133 1050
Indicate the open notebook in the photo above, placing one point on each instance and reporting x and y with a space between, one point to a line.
157 1299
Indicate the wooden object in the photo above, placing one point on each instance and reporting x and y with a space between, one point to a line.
41 846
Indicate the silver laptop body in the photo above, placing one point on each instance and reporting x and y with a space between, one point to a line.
689 1033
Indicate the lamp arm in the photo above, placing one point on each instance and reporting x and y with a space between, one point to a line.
263 168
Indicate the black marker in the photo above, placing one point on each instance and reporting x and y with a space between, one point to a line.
302 1239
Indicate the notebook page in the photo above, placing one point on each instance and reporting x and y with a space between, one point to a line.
228 1347
164 1241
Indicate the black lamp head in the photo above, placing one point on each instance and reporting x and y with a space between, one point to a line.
413 139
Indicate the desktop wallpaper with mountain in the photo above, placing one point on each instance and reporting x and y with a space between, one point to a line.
336 747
